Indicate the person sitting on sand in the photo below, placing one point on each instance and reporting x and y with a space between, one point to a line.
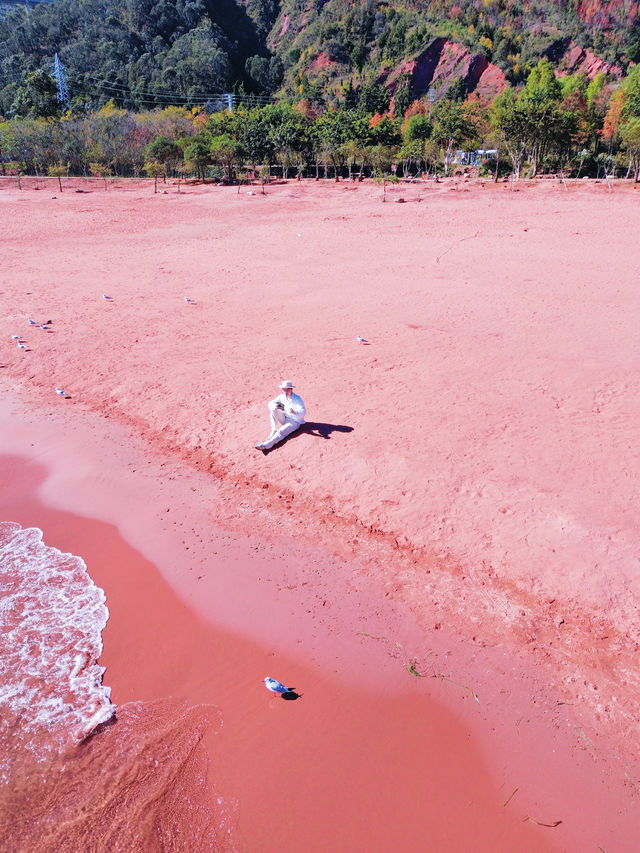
287 415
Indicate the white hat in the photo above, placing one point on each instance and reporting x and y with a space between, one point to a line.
286 384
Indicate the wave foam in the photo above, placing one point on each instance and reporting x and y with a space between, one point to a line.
51 621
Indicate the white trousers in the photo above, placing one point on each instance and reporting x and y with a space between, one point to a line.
281 426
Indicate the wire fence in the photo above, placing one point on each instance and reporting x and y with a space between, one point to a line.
81 184
87 184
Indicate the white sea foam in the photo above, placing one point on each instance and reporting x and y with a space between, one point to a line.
51 621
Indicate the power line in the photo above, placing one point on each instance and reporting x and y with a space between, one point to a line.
230 99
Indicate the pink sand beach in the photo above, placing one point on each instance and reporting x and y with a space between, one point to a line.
443 562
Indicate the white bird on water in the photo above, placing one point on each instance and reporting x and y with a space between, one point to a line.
276 686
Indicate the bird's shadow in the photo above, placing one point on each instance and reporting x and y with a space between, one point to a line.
291 695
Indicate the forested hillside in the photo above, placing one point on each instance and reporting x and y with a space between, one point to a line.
141 53
319 85
131 51
319 41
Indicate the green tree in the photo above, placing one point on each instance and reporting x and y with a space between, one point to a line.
352 153
58 172
510 123
287 133
416 145
358 55
540 99
418 128
330 132
403 95
631 90
155 170
457 91
33 144
251 133
385 131
264 14
197 153
265 72
165 151
633 43
7 144
453 127
112 140
226 152
197 62
37 97
630 139
373 97
381 157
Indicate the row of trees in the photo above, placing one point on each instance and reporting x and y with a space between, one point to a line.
566 124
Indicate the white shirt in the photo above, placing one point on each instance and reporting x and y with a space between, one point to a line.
294 407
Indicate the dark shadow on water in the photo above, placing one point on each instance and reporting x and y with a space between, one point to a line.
290 695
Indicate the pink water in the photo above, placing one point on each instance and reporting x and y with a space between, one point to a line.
75 772
341 769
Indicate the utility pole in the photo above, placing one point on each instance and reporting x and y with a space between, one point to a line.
61 80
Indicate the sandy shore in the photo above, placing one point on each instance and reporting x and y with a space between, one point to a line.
475 521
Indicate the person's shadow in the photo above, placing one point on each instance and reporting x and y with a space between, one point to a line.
314 428
320 430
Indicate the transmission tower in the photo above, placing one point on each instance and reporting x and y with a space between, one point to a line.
61 80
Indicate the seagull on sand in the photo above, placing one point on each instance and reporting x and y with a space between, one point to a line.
186 299
61 392
32 323
276 686
22 346
105 296
15 337
361 340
